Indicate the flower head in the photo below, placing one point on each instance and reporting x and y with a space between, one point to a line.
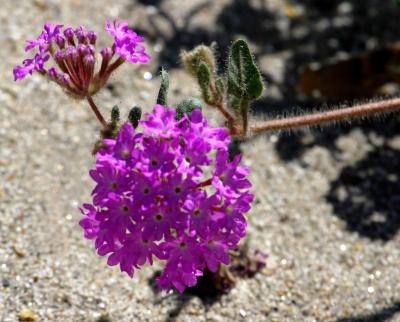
127 43
169 192
73 51
31 65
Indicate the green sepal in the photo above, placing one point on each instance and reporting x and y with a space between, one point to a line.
187 106
244 78
163 92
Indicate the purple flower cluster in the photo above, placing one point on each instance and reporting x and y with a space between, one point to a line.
74 54
169 192
127 43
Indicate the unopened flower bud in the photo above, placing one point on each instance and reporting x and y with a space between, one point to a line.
92 37
52 72
71 53
81 49
192 59
135 115
106 53
60 41
69 34
64 78
115 114
88 60
81 34
59 56
90 50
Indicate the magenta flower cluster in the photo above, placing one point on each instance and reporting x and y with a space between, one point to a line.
74 54
170 193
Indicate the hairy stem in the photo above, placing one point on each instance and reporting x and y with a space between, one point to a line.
327 116
96 111
244 110
229 118
114 66
221 107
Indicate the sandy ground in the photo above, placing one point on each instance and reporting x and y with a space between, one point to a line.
327 206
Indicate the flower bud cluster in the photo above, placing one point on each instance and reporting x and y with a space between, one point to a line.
74 54
168 192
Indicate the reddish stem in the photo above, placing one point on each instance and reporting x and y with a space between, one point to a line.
96 111
114 66
204 183
327 116
230 119
220 106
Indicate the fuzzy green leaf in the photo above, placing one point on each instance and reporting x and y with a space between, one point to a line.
163 92
220 86
203 75
244 78
203 78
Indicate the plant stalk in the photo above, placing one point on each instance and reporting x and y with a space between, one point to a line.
96 111
327 116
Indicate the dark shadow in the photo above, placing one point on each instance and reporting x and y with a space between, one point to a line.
237 18
211 286
367 195
150 2
205 290
329 28
258 25
380 316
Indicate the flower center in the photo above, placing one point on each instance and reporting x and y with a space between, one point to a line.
114 185
126 153
178 190
146 191
154 163
182 245
197 213
125 208
158 217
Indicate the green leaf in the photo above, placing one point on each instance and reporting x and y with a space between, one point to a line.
244 78
220 86
203 75
187 106
163 92
203 78
135 115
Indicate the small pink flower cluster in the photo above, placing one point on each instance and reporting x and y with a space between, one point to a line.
74 55
168 192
